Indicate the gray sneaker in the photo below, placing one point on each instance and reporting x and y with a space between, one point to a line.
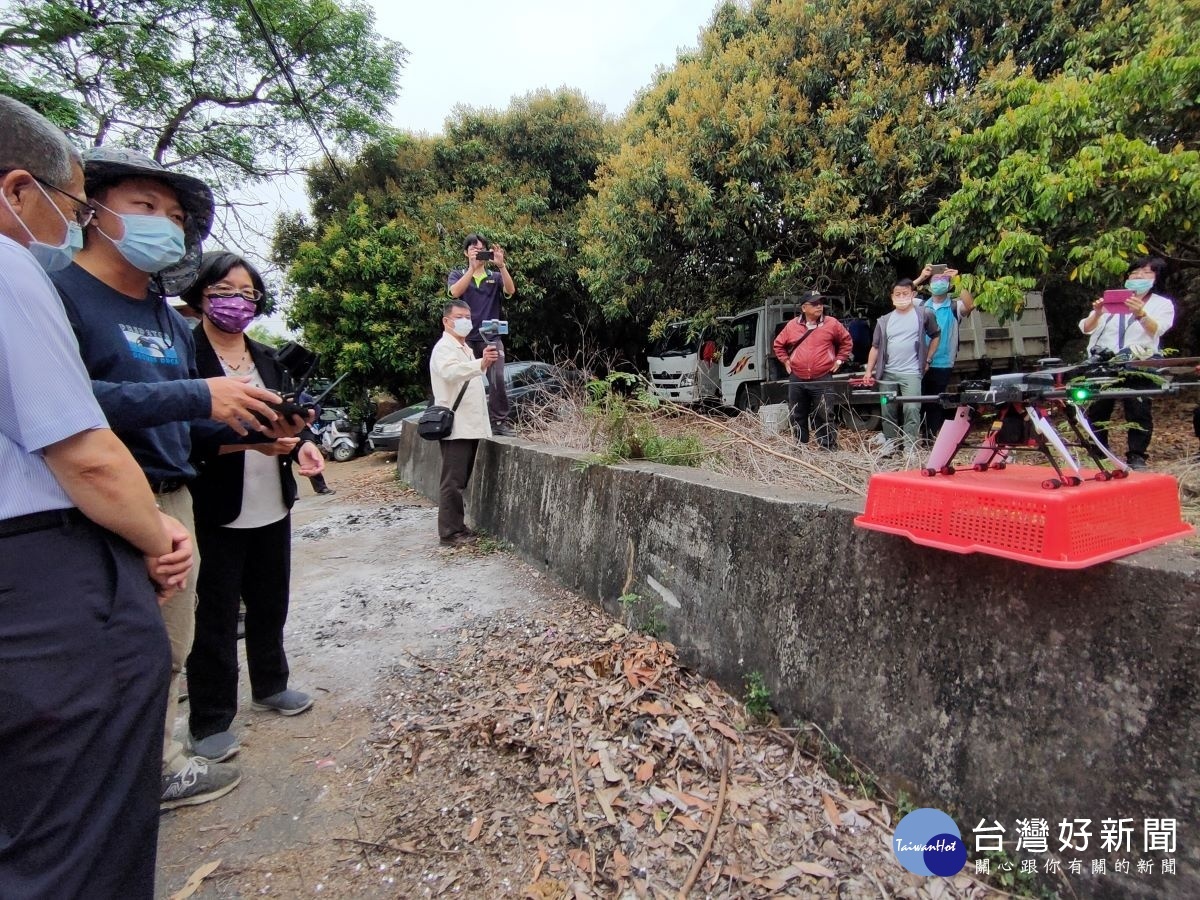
286 703
216 747
198 782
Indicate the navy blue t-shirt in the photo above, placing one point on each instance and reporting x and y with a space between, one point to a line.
484 298
141 357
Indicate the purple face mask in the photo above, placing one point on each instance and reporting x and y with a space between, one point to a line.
232 314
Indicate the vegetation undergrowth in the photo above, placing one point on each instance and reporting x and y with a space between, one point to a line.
620 409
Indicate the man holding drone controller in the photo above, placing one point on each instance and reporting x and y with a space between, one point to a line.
142 244
482 288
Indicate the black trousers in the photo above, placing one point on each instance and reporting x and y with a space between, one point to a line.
809 398
458 459
934 381
84 665
253 566
1137 414
497 397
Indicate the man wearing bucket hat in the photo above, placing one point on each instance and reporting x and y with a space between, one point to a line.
143 244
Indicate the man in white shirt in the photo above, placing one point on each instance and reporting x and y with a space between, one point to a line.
455 376
1135 333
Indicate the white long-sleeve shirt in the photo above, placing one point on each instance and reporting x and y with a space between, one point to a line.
450 366
1108 333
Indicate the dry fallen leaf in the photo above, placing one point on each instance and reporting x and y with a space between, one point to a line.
654 708
645 771
816 869
620 861
546 797
694 701
611 772
606 798
724 729
832 813
473 830
195 880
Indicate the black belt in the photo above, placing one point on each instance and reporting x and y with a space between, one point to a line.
40 521
167 485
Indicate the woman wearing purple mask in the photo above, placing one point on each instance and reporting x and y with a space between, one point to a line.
242 500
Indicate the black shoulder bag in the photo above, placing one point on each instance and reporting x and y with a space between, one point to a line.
437 422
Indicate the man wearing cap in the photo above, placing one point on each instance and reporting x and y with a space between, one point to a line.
812 347
143 244
83 655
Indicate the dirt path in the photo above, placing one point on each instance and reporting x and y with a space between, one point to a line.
480 732
370 584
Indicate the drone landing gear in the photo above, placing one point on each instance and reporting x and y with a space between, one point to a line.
944 470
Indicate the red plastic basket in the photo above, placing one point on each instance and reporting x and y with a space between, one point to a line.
1008 513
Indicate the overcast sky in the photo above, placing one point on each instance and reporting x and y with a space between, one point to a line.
485 55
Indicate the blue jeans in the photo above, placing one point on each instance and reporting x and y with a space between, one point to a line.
909 384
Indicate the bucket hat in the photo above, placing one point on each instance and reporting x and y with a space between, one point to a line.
103 166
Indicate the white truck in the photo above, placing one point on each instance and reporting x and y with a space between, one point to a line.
685 366
740 370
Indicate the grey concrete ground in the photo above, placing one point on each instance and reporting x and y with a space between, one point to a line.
370 586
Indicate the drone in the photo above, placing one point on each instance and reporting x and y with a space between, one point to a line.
1020 406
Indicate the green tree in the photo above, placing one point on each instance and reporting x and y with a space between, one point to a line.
796 144
196 84
367 277
1085 170
259 332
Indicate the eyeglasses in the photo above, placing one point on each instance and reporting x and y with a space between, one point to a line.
220 289
84 211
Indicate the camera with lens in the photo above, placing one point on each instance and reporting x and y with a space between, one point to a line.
493 328
485 256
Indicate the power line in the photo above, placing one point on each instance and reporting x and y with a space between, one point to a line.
287 73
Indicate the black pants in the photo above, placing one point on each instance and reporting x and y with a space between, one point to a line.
318 483
458 459
815 399
1137 414
84 665
251 565
934 381
497 397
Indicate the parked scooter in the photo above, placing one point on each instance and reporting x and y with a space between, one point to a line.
340 440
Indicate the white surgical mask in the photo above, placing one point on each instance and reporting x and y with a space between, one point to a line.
150 243
462 327
51 257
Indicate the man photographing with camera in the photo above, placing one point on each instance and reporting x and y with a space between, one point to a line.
482 288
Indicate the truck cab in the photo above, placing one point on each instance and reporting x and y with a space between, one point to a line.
684 367
747 360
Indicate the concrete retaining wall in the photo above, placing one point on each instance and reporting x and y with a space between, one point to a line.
996 690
